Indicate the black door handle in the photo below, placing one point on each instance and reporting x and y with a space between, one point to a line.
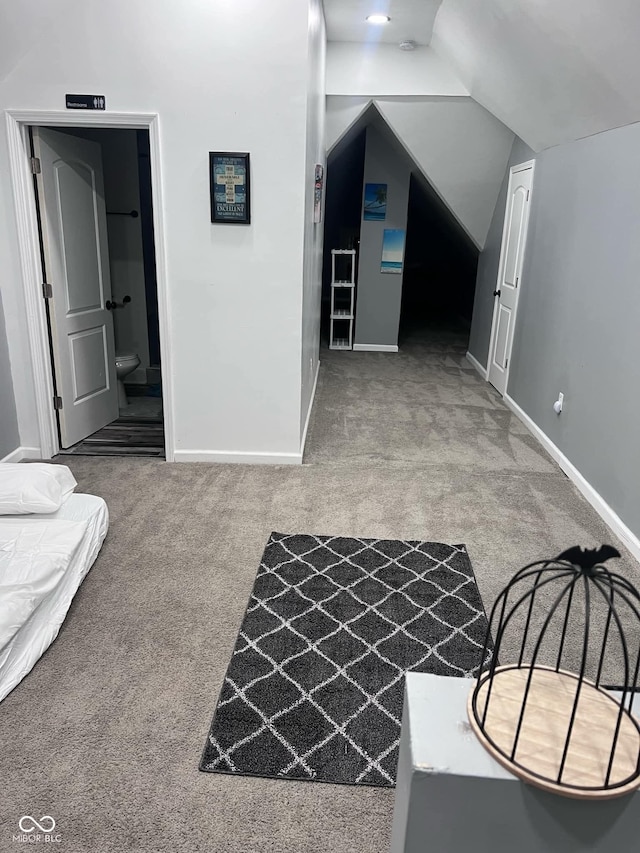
111 306
497 292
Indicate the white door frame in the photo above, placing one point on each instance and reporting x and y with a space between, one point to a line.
18 122
520 167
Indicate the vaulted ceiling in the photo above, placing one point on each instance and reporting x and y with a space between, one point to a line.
550 70
410 19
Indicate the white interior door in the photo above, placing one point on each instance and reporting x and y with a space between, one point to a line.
514 236
74 232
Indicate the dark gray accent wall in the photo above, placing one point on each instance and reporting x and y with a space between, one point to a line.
488 261
9 434
579 311
379 295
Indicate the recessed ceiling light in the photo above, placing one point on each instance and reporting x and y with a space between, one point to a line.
378 19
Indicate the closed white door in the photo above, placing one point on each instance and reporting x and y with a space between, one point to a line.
514 237
74 232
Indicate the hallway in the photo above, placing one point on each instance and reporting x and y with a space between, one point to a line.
424 405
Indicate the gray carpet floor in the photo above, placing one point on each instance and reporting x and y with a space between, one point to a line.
106 732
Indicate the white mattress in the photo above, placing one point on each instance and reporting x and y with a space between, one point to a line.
43 621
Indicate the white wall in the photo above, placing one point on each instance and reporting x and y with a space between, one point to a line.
460 148
384 69
313 233
342 114
9 436
23 24
221 76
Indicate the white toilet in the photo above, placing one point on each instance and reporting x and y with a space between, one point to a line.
126 363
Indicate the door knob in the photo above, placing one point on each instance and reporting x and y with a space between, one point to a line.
111 306
497 292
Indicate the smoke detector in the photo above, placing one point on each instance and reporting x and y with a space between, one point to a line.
407 45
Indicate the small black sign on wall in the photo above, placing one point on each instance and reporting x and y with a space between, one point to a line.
86 102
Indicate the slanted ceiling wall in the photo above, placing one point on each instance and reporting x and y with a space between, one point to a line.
552 70
461 149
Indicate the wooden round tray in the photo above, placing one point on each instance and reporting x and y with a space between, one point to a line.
544 733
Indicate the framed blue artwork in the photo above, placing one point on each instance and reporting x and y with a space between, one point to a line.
375 201
393 250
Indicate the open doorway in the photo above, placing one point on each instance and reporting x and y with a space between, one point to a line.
95 219
439 279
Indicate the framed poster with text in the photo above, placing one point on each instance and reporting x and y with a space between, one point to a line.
229 187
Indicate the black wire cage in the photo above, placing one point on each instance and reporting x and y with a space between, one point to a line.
560 717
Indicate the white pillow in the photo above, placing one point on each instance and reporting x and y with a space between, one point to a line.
33 487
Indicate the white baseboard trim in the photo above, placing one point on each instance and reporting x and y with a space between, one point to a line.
608 515
473 361
258 458
237 457
308 418
21 453
375 347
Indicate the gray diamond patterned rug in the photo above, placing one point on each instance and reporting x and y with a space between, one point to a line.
314 689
